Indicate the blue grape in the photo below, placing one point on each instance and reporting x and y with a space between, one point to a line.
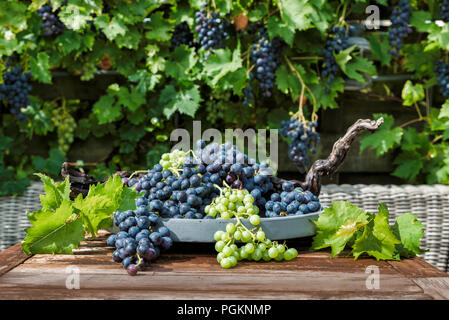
400 19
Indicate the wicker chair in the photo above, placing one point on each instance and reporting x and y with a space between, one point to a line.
430 203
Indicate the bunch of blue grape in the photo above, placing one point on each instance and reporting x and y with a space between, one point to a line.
442 71
400 18
139 240
51 24
337 40
265 55
211 30
444 10
181 35
303 141
15 89
291 201
248 96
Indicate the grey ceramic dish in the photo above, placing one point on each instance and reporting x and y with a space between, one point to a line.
202 230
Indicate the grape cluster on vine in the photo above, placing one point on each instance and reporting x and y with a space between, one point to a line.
139 241
303 141
400 19
51 25
442 71
337 41
265 55
181 35
444 10
15 89
211 30
66 126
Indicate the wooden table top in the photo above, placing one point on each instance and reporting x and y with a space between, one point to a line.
190 271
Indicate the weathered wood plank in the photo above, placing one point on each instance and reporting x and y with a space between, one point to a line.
11 257
417 268
101 294
438 288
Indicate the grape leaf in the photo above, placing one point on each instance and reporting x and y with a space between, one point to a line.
337 225
444 113
385 138
107 110
409 230
40 67
295 13
222 62
94 210
55 193
276 27
412 93
111 28
145 81
58 231
377 240
379 48
409 166
159 28
181 62
69 41
131 100
185 101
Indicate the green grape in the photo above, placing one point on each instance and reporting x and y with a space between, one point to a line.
279 257
257 254
266 256
262 246
233 261
238 235
273 252
226 215
260 235
230 227
255 220
225 237
290 254
233 198
227 251
236 254
217 235
243 253
280 248
219 257
250 211
226 263
246 236
249 247
219 246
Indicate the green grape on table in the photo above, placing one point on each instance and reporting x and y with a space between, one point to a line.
239 204
174 159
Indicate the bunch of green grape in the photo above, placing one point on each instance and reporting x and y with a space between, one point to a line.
173 159
66 126
253 243
233 203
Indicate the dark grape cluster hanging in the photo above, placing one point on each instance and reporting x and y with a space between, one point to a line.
51 25
181 35
15 89
400 18
442 71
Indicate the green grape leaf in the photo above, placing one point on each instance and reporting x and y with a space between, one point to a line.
106 110
412 93
69 41
444 112
409 230
327 99
75 16
295 13
377 240
409 166
276 27
419 21
111 28
13 15
181 63
145 81
385 138
185 101
52 165
222 62
58 231
131 100
337 225
234 81
40 67
440 36
379 49
129 40
55 193
159 28
94 210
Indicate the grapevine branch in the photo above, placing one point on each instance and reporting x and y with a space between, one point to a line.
333 162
